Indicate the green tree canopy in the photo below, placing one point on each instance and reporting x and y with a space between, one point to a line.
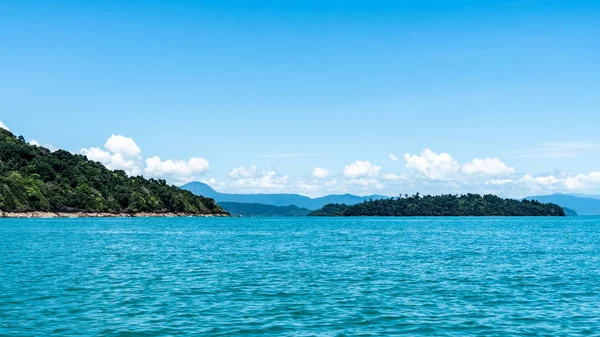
443 205
32 178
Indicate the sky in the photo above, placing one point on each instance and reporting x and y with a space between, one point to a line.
314 97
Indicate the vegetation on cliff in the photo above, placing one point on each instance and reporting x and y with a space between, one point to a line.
443 205
33 178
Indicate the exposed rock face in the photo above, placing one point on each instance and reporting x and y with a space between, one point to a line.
101 215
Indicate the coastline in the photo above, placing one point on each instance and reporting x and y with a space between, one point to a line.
38 214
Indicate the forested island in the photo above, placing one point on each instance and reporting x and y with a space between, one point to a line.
443 205
34 180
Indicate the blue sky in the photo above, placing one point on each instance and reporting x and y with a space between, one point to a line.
265 92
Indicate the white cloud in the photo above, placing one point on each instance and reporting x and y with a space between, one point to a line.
443 166
97 154
3 126
113 161
393 157
320 173
579 182
391 176
432 165
179 169
49 146
546 183
367 183
123 145
498 182
582 181
541 180
487 166
360 169
242 172
254 180
123 154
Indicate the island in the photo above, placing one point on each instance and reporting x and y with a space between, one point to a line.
443 205
37 182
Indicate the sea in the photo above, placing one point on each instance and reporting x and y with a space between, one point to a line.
305 276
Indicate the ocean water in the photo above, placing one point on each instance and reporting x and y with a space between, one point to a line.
300 277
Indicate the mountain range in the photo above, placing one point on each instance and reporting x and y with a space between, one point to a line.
583 205
199 188
243 209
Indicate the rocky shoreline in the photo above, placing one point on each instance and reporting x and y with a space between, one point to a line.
37 214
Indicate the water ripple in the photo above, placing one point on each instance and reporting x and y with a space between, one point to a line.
300 277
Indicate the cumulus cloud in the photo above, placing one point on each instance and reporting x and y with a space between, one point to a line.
367 183
253 179
499 182
432 165
3 126
393 157
49 146
320 173
113 161
360 169
443 166
242 172
579 182
122 153
97 154
391 176
123 145
487 166
582 181
180 170
540 180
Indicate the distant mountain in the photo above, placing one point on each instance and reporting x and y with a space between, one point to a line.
581 205
301 201
586 195
569 212
238 208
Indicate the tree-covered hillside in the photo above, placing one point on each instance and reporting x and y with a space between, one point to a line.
444 205
33 178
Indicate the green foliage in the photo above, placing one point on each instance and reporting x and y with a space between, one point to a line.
443 205
253 209
33 178
331 210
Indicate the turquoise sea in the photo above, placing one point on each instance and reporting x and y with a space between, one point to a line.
300 277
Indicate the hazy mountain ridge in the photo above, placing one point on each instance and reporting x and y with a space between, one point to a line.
253 209
199 188
583 205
